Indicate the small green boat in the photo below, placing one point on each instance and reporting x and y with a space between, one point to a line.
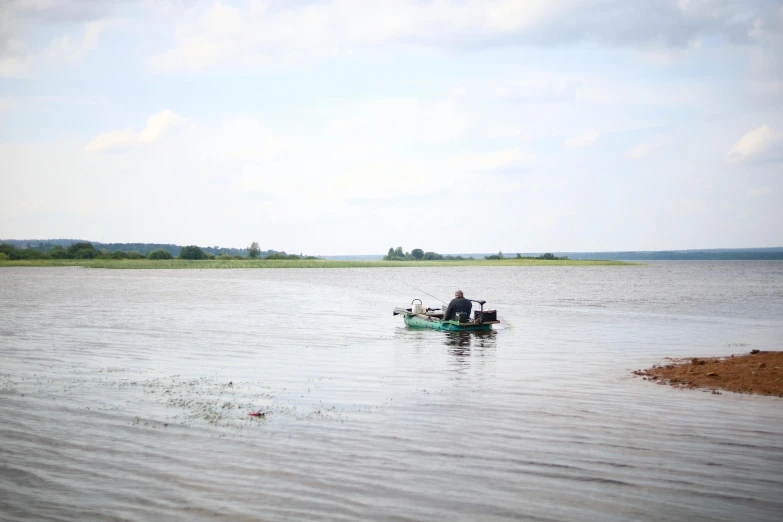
418 317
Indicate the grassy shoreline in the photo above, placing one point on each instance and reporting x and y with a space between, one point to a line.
303 263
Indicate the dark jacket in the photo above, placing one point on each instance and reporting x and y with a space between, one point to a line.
458 304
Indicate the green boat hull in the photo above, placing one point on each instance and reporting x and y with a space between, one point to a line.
433 323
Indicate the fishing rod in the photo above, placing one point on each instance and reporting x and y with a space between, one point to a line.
423 292
502 320
479 301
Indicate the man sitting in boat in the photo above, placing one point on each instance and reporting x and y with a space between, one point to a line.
458 304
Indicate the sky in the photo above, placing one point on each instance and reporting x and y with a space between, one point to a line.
351 126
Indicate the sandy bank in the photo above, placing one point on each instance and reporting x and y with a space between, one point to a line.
757 372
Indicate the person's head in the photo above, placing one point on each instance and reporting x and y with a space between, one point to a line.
459 293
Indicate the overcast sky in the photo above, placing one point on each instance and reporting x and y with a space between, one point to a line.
349 126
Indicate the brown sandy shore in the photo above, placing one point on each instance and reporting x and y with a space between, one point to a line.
757 372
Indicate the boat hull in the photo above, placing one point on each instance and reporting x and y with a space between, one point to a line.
433 323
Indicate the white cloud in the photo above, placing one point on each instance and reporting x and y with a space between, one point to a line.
7 103
388 119
428 123
70 100
661 54
377 181
691 206
540 87
59 11
653 144
761 143
239 139
758 192
20 53
112 140
496 160
67 49
15 62
261 34
766 58
583 140
712 8
158 125
639 151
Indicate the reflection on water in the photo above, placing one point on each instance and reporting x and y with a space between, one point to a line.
466 347
479 339
122 385
460 343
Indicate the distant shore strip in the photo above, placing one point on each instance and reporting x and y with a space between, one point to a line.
290 263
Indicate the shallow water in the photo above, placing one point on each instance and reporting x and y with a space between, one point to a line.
125 394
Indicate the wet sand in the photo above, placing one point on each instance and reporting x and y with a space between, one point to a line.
758 372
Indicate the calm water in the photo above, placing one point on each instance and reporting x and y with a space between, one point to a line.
115 400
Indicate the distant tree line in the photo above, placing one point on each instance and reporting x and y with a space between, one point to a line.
80 250
548 256
417 254
142 248
86 250
755 254
194 252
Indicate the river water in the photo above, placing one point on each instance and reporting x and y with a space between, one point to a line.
124 395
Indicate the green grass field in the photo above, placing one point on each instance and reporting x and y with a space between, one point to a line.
304 263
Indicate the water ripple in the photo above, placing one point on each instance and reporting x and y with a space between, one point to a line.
124 396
